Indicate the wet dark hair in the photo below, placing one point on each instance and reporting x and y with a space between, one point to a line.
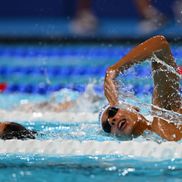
15 130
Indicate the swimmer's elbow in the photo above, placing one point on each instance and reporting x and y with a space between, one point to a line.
161 40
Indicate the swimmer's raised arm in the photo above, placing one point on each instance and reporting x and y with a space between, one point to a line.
157 44
166 93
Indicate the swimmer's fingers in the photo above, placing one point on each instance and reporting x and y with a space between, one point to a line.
110 88
111 91
111 98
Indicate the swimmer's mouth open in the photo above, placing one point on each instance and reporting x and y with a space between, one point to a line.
122 124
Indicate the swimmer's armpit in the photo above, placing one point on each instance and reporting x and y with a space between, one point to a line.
11 130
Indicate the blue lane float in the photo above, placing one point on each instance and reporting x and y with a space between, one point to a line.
61 51
46 89
72 51
66 71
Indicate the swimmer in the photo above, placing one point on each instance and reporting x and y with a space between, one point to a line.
11 130
128 120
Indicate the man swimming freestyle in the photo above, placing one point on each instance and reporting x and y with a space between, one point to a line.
129 121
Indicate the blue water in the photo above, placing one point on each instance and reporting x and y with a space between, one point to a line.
87 168
83 168
22 65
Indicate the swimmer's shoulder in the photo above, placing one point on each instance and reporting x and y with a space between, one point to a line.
180 110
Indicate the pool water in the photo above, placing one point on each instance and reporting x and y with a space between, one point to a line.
88 168
70 146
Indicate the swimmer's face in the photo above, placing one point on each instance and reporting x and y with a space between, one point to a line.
120 121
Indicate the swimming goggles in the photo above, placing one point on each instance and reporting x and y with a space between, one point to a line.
111 112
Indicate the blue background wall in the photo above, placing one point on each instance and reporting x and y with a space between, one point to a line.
65 8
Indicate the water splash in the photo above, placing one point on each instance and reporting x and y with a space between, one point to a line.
88 101
127 96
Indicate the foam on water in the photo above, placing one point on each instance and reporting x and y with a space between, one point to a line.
46 116
139 147
145 149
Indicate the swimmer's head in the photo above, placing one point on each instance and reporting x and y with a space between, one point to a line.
120 121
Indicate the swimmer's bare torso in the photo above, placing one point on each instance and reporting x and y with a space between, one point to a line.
166 93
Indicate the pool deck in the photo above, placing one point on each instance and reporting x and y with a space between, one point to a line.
60 30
